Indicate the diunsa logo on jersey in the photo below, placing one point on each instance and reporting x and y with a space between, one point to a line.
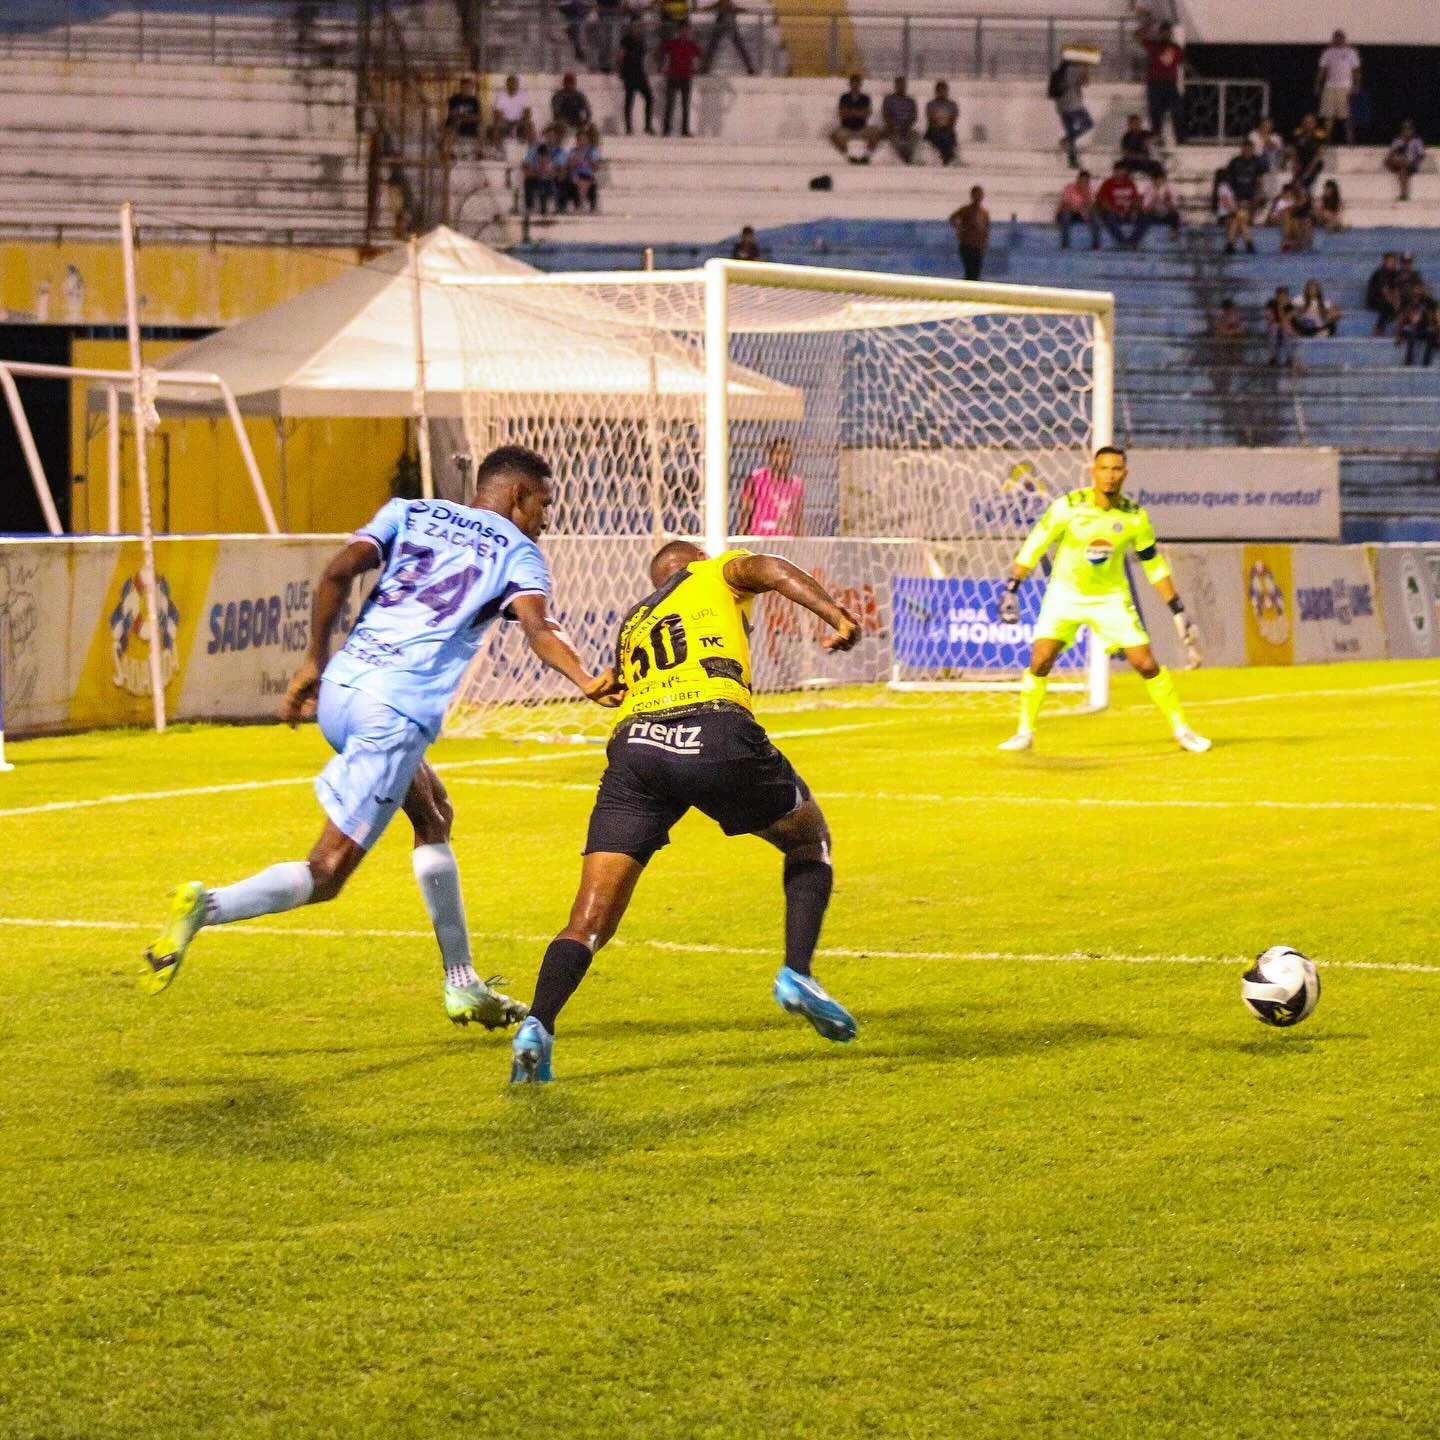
1097 552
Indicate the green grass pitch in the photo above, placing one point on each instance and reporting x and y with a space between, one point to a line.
1062 1184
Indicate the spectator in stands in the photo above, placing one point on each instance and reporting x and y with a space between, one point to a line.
1407 276
853 113
1121 212
942 119
1314 314
1337 79
673 14
510 116
1270 150
1330 212
573 15
540 168
1243 175
1294 213
971 224
1135 153
584 169
1309 139
772 497
898 116
1162 78
1222 198
682 57
1227 323
1280 326
1382 291
569 109
1418 326
609 19
1067 89
1077 203
1161 204
727 27
747 247
633 77
565 194
462 117
1403 158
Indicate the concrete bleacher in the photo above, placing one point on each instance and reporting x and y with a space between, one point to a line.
253 153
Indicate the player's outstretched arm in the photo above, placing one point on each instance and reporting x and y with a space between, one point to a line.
330 597
547 638
759 573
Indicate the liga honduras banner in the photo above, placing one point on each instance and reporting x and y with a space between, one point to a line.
944 625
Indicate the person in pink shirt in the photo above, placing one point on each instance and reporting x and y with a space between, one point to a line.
1077 202
772 499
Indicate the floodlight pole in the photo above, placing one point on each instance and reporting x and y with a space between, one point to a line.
142 469
422 419
1102 432
717 406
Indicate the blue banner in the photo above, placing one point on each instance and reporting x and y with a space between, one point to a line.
951 625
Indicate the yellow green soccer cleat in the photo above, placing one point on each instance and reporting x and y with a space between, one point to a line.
485 1006
167 950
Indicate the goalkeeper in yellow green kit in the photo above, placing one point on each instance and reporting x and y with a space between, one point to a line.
1092 529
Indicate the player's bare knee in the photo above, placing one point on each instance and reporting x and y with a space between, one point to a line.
1145 663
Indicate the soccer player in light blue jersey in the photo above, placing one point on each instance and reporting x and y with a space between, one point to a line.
448 572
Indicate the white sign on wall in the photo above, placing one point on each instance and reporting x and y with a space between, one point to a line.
1237 494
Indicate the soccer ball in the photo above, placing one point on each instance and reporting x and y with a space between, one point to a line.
1282 987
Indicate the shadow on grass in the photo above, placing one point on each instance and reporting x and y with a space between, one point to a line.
1280 1044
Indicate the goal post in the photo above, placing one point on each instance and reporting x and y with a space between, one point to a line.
895 435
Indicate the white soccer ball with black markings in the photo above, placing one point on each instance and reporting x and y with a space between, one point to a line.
1282 987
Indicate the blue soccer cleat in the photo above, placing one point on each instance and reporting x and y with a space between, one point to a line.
802 995
533 1046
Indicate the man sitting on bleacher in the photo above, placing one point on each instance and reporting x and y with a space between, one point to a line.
510 119
854 115
1120 210
1077 202
569 108
898 114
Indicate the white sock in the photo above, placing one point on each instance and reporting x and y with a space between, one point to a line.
439 879
281 887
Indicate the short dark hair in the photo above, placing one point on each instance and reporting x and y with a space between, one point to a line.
513 459
1110 450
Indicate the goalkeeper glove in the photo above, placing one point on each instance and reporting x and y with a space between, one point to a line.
1188 632
1009 609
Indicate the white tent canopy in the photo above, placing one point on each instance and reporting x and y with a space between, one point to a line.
347 347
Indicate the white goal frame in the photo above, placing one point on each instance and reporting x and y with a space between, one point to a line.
716 279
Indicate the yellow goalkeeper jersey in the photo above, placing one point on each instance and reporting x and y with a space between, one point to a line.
687 643
1091 543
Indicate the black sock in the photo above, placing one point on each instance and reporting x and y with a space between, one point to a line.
562 969
807 893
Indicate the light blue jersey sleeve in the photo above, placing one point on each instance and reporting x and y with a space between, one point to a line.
448 573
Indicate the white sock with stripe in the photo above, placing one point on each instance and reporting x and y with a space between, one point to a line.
282 887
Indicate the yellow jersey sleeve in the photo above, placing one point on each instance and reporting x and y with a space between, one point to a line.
1048 528
1155 567
688 643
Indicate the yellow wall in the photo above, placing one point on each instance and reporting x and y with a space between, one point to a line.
72 283
338 471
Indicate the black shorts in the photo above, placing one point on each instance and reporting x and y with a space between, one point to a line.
714 757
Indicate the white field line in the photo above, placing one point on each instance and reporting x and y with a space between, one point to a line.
1065 957
140 796
1055 801
484 761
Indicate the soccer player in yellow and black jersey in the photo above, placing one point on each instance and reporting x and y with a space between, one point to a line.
1092 529
686 737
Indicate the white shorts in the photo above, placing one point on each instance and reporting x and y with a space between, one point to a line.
377 752
1112 617
1334 103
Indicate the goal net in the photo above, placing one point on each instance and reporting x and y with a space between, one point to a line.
894 436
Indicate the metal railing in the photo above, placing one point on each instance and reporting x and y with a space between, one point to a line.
315 33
